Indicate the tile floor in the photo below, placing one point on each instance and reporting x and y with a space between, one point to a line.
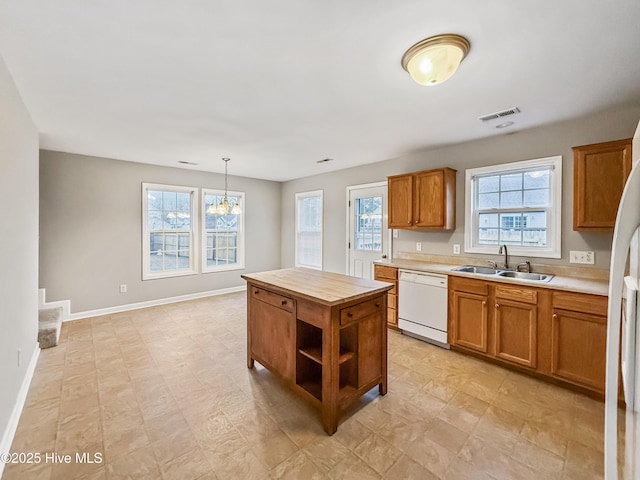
164 392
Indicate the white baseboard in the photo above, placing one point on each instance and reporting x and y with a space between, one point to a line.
150 303
10 431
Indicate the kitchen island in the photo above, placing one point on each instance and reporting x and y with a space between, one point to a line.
323 333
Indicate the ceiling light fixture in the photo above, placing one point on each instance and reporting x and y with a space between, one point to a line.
504 124
433 60
224 207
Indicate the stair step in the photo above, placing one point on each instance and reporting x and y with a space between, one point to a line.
49 326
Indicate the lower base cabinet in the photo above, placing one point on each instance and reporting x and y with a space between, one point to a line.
389 274
557 335
579 340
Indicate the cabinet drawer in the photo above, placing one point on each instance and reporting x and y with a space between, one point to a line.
360 311
519 294
479 287
580 302
280 301
382 272
392 301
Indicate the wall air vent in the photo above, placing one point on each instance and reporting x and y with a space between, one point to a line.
504 113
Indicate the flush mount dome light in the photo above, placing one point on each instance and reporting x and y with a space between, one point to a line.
433 60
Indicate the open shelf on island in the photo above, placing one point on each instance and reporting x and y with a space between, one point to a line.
315 354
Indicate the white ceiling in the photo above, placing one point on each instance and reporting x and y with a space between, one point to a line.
278 85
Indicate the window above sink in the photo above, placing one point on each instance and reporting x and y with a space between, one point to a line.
517 204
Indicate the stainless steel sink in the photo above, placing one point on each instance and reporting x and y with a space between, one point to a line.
474 269
538 277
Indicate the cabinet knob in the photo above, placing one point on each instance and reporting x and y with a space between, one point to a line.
409 222
377 305
349 314
484 302
255 292
497 305
555 316
284 302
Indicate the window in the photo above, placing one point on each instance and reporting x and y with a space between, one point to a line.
169 223
517 204
368 224
222 234
309 229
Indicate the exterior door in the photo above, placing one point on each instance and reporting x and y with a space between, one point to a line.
368 231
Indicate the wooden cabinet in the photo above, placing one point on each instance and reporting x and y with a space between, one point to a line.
323 333
579 339
515 324
469 314
423 200
554 334
599 174
385 273
277 334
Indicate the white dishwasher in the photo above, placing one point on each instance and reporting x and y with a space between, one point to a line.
422 306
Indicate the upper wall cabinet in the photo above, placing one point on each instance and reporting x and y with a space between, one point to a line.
423 200
599 174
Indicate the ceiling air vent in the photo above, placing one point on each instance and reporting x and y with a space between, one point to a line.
497 115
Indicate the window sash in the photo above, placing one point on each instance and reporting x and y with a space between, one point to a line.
166 262
227 256
551 210
309 230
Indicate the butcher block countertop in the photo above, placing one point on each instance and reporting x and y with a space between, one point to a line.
323 287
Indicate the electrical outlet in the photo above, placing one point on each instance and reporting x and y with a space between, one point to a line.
123 288
578 256
418 246
456 249
395 233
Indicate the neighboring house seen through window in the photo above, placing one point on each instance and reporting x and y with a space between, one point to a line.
517 204
309 230
169 223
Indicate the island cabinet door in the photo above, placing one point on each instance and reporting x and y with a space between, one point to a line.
272 331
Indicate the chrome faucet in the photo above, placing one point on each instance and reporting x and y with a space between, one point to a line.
506 255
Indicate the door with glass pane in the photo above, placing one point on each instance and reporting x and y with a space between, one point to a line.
368 232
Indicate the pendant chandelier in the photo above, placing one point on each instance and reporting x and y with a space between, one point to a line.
224 207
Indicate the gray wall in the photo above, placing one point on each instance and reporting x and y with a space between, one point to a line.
19 234
555 139
91 240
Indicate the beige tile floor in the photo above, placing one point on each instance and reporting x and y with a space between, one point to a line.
165 393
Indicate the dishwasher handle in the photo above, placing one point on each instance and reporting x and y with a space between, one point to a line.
424 278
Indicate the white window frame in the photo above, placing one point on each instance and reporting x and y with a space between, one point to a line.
203 236
298 197
147 274
554 222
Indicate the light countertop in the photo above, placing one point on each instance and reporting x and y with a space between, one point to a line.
565 280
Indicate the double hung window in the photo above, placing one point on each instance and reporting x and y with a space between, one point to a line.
309 229
222 233
169 223
517 204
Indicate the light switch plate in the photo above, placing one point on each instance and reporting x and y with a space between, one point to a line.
419 246
579 256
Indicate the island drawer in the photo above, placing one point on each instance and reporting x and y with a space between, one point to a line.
280 301
360 311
